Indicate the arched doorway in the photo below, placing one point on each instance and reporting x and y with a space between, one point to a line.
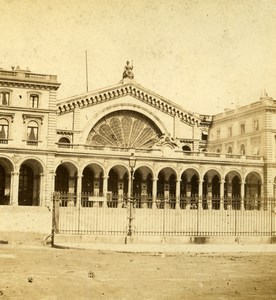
3 199
26 186
215 192
62 179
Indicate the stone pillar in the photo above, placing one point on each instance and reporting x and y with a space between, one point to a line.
260 204
242 194
177 194
229 194
154 192
15 188
221 203
200 196
42 190
79 188
105 179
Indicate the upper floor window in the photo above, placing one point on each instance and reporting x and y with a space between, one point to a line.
242 149
5 98
218 134
229 131
64 142
34 100
242 128
229 150
4 131
186 148
256 124
32 133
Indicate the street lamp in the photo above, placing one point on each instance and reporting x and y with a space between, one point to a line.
132 164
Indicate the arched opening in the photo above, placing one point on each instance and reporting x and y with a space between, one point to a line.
160 185
236 193
215 192
87 181
186 148
64 142
252 191
194 186
26 186
62 179
137 182
242 149
3 198
113 182
149 184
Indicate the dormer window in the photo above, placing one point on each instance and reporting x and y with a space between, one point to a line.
34 100
5 98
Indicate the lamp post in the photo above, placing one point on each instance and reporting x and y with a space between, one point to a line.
132 163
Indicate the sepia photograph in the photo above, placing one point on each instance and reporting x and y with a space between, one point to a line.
138 149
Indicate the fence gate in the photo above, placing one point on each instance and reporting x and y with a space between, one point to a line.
99 217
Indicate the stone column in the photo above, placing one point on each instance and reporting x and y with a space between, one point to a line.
15 188
177 194
229 194
105 179
200 196
42 190
221 203
242 194
260 204
79 187
154 192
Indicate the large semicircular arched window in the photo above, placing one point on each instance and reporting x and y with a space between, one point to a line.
126 129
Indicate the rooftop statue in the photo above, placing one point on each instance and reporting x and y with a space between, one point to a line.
128 71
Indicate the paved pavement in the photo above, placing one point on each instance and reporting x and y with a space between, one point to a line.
173 248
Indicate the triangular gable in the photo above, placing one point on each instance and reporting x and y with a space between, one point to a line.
129 87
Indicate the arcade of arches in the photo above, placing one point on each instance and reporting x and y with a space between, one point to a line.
149 188
26 187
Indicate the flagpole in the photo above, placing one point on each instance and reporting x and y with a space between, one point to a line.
86 67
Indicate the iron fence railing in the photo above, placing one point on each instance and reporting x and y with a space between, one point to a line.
186 216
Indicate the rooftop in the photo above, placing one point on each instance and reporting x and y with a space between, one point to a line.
26 75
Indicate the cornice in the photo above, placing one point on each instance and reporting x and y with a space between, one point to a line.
28 84
134 90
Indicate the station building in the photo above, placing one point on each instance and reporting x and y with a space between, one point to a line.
84 146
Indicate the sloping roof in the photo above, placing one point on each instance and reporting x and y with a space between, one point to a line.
127 87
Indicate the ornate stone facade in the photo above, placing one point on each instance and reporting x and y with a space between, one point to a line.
82 146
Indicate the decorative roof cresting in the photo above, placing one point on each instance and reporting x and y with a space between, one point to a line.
128 71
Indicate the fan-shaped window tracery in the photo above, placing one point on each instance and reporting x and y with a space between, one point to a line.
126 129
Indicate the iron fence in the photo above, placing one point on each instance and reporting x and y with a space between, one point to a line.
186 216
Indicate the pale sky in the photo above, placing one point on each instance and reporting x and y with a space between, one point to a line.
204 55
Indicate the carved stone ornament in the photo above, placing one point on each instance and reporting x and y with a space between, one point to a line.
128 71
166 140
